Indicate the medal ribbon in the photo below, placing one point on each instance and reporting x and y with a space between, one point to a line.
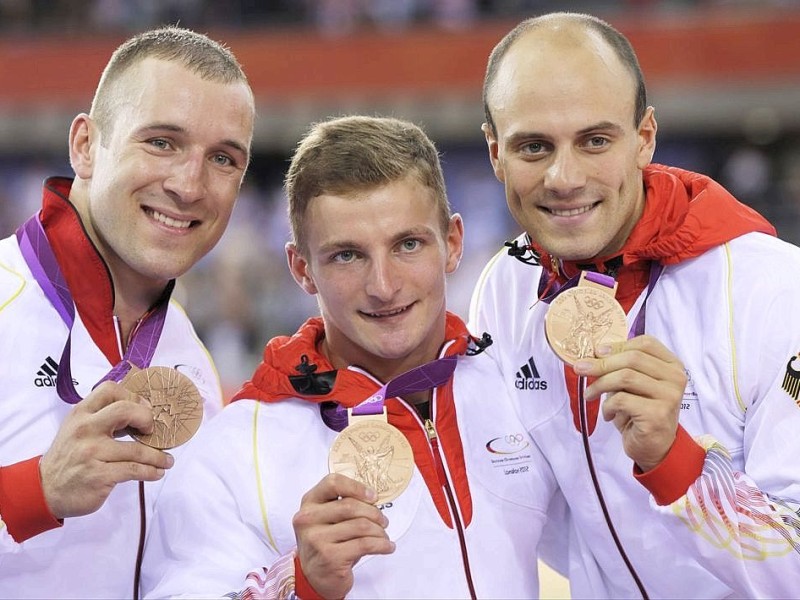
424 377
41 260
638 325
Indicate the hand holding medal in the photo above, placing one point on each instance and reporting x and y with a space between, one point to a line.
372 451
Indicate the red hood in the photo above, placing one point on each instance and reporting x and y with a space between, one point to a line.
685 215
272 380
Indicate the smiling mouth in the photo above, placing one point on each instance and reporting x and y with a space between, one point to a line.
386 313
570 212
169 221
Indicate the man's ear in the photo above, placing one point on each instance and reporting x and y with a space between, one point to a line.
83 135
491 142
647 138
455 243
300 270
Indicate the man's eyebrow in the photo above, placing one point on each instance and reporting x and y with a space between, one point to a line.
345 244
519 136
601 126
337 246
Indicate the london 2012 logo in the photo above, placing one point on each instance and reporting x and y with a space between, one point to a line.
508 444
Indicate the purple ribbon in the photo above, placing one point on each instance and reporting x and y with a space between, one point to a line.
424 377
41 260
638 325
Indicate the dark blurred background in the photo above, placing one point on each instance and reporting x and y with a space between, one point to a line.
724 77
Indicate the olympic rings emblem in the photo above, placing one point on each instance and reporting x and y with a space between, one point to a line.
594 303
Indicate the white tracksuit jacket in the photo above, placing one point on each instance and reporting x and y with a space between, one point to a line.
91 556
732 316
228 508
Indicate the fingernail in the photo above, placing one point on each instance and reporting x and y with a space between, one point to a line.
603 350
372 495
170 460
582 366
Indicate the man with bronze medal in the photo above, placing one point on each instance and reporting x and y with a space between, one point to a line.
375 452
641 293
94 350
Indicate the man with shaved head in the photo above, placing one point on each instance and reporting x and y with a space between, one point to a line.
649 295
85 309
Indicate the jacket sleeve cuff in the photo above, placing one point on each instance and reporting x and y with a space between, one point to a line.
302 588
22 504
681 467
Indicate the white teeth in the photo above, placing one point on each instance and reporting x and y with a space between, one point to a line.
572 211
169 221
388 314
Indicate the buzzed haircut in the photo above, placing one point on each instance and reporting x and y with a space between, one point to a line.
197 52
352 154
618 42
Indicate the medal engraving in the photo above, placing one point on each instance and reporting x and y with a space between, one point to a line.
176 404
375 453
582 318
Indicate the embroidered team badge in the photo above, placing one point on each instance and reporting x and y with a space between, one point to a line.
791 381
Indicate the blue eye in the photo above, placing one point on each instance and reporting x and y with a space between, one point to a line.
345 256
223 160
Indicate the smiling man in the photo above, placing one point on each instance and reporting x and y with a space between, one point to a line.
85 302
571 137
432 478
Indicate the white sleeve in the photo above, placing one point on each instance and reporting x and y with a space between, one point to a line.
741 517
746 536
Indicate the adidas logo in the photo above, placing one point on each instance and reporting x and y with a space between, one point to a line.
46 375
528 377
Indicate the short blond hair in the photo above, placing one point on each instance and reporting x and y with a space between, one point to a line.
355 153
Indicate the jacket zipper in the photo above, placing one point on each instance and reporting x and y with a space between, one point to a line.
433 438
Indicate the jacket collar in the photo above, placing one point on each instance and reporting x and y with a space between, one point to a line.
293 367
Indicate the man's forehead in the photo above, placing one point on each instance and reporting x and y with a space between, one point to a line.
542 81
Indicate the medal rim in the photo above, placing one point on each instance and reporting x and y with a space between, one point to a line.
563 298
364 422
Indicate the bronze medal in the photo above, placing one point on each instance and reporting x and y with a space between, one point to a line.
175 401
582 318
375 453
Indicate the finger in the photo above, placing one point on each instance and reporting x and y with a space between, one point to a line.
104 395
631 381
630 358
623 407
133 412
344 531
120 472
115 451
312 514
354 549
335 486
612 411
653 347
